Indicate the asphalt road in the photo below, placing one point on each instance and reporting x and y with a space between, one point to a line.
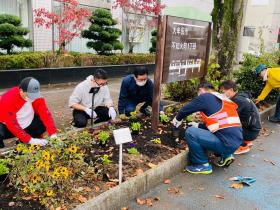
213 191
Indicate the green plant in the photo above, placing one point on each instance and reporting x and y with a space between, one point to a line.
102 33
153 41
169 110
164 118
105 160
132 151
135 126
182 90
189 118
4 167
12 33
156 141
103 137
247 79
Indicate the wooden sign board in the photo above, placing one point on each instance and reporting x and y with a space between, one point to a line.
183 47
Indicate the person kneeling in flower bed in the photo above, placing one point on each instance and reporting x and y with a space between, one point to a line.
221 131
81 100
24 114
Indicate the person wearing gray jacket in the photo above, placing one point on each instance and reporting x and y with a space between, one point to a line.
81 100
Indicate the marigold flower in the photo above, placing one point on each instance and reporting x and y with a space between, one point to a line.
50 193
35 179
25 189
64 171
72 149
46 155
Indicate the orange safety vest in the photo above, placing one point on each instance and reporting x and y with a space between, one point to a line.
226 117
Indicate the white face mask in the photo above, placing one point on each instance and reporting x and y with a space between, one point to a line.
141 83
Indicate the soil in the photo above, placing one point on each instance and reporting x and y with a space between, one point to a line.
149 155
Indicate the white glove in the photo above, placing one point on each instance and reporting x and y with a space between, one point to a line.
176 123
53 136
41 142
88 111
193 124
112 113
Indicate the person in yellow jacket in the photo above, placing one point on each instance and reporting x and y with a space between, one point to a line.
272 78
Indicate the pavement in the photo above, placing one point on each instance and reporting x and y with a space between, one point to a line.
213 192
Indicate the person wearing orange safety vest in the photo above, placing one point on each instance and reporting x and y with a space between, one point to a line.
221 131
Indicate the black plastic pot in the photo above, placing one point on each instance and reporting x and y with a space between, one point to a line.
135 132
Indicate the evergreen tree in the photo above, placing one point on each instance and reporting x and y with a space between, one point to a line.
153 41
102 33
11 33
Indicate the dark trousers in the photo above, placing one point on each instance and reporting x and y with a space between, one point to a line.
81 117
249 134
35 130
277 110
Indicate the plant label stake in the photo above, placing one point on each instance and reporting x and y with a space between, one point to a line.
121 136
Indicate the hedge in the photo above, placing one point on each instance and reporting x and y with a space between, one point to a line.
30 60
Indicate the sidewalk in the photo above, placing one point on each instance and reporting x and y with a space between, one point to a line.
201 191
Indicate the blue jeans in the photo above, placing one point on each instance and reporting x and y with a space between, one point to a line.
199 141
277 110
130 106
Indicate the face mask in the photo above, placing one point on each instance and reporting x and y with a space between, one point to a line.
141 83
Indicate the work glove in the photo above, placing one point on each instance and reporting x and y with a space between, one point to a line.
41 142
88 111
112 113
176 123
193 124
123 117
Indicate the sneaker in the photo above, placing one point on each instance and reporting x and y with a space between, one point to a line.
199 169
242 150
273 119
225 160
249 143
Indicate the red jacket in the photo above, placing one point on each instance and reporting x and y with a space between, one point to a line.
11 102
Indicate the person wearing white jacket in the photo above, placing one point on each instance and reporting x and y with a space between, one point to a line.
81 100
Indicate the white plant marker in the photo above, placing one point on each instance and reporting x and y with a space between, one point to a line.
121 137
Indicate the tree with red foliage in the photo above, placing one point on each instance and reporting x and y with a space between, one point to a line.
69 23
140 14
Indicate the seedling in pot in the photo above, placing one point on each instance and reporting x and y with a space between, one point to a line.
105 160
132 151
103 137
135 127
156 141
164 118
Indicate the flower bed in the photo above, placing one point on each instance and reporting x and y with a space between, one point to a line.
82 165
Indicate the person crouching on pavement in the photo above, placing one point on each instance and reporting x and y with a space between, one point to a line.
221 131
248 113
24 114
136 88
81 100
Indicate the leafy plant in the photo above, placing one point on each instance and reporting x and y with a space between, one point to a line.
156 141
164 118
169 110
189 118
103 137
132 151
153 41
105 160
135 126
12 33
4 167
104 37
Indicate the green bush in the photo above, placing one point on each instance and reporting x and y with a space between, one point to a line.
28 60
248 80
153 41
3 167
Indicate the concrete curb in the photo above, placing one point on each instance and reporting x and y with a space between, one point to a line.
268 112
119 196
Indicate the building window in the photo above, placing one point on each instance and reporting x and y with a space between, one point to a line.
249 31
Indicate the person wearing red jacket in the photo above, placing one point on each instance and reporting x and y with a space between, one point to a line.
24 114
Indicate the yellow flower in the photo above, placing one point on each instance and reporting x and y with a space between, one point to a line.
31 168
56 173
19 147
25 189
35 179
47 166
64 171
50 193
39 164
72 149
52 157
46 155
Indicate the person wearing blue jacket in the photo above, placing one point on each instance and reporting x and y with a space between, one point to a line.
135 89
220 133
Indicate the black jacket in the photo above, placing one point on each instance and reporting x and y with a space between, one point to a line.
247 111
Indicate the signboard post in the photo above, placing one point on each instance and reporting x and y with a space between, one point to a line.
183 47
121 136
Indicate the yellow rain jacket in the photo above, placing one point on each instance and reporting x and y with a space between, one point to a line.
272 82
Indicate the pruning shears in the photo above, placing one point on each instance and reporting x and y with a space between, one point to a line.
244 180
